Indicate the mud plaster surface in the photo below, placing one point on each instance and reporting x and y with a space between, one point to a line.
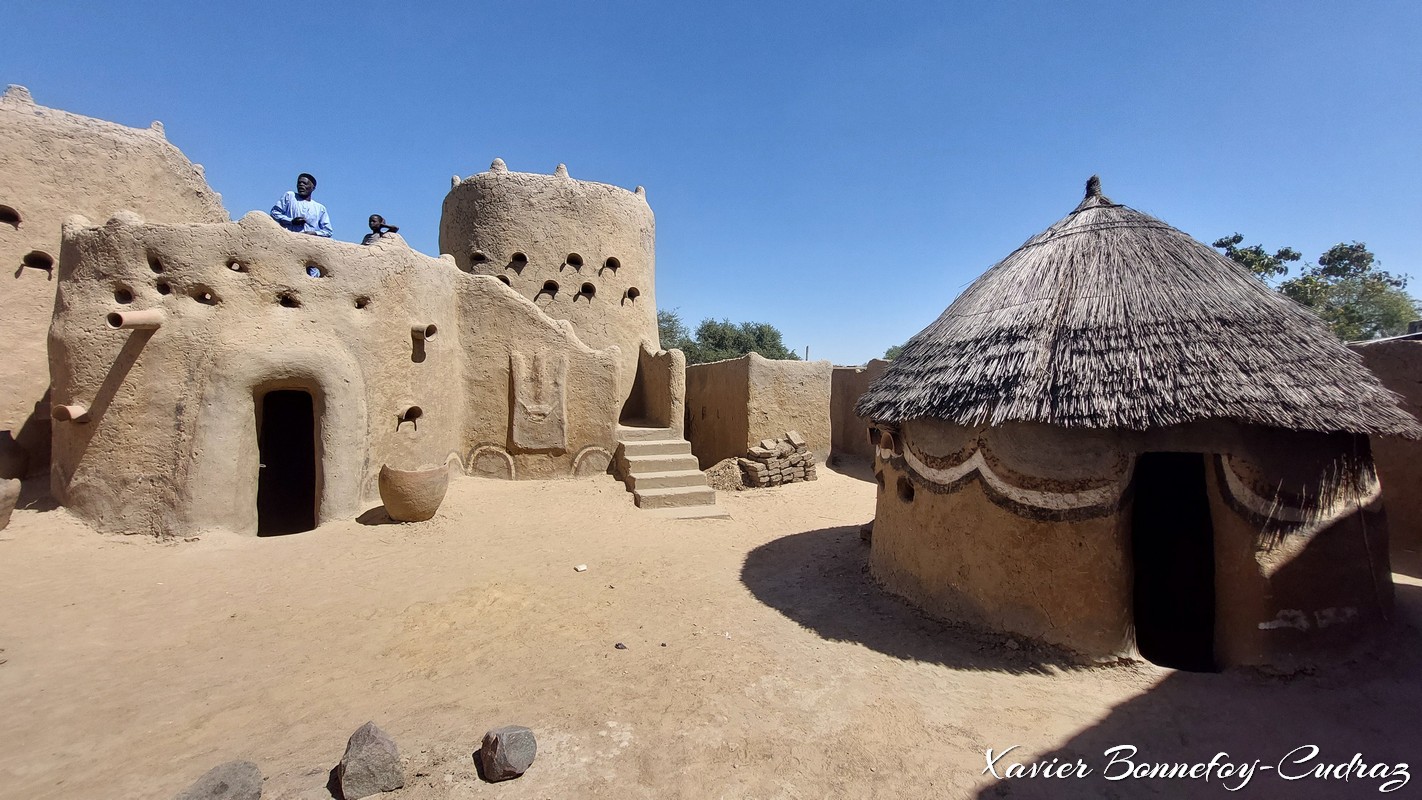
132 667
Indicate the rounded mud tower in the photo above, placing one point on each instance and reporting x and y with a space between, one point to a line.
582 252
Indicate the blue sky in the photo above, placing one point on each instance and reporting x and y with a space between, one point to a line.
840 170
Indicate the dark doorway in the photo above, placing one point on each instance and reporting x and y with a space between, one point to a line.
1173 543
286 450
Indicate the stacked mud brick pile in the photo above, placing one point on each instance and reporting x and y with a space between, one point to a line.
778 461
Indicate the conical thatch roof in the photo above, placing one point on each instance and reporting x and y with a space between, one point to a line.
1112 319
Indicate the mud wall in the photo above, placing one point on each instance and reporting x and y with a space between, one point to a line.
409 363
717 399
1027 528
54 164
581 251
1398 364
848 433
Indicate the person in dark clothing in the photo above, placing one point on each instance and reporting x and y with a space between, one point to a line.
378 228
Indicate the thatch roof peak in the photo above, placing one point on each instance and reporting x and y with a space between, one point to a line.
1111 318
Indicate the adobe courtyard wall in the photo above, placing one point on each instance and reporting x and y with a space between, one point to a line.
734 404
54 164
165 338
849 434
1398 364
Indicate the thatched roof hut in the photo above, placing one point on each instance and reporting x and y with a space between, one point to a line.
1111 318
1118 441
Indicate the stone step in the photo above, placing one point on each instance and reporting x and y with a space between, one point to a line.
666 480
637 465
632 433
657 447
712 511
675 497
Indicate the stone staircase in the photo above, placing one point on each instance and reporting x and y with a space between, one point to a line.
660 471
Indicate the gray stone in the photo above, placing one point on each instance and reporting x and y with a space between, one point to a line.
9 494
371 764
235 780
507 752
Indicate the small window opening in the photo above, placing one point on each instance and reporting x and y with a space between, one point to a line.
315 270
518 260
38 259
288 300
9 216
588 290
155 263
905 488
575 261
163 287
550 288
411 415
633 294
612 263
123 295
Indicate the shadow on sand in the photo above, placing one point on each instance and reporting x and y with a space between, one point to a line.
1367 704
821 580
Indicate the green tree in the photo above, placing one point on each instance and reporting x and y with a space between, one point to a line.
893 352
671 330
1355 298
715 341
1345 289
1256 259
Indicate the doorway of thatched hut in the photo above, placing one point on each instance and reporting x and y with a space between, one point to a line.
286 447
1173 552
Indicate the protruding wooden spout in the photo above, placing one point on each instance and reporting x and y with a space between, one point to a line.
145 320
69 413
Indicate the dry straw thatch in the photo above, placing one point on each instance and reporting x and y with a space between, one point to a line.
1111 318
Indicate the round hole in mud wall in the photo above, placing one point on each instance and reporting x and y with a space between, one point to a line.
411 414
155 263
905 487
518 259
203 295
114 319
550 287
633 293
479 256
236 266
612 263
288 300
362 302
588 290
430 330
38 259
315 270
9 216
123 295
506 280
575 261
163 287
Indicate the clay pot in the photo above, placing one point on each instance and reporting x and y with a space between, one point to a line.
413 495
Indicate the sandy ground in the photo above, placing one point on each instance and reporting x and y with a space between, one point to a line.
762 661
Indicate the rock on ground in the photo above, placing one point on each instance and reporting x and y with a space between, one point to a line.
507 752
371 764
235 780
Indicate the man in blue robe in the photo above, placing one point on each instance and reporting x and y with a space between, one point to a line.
298 213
